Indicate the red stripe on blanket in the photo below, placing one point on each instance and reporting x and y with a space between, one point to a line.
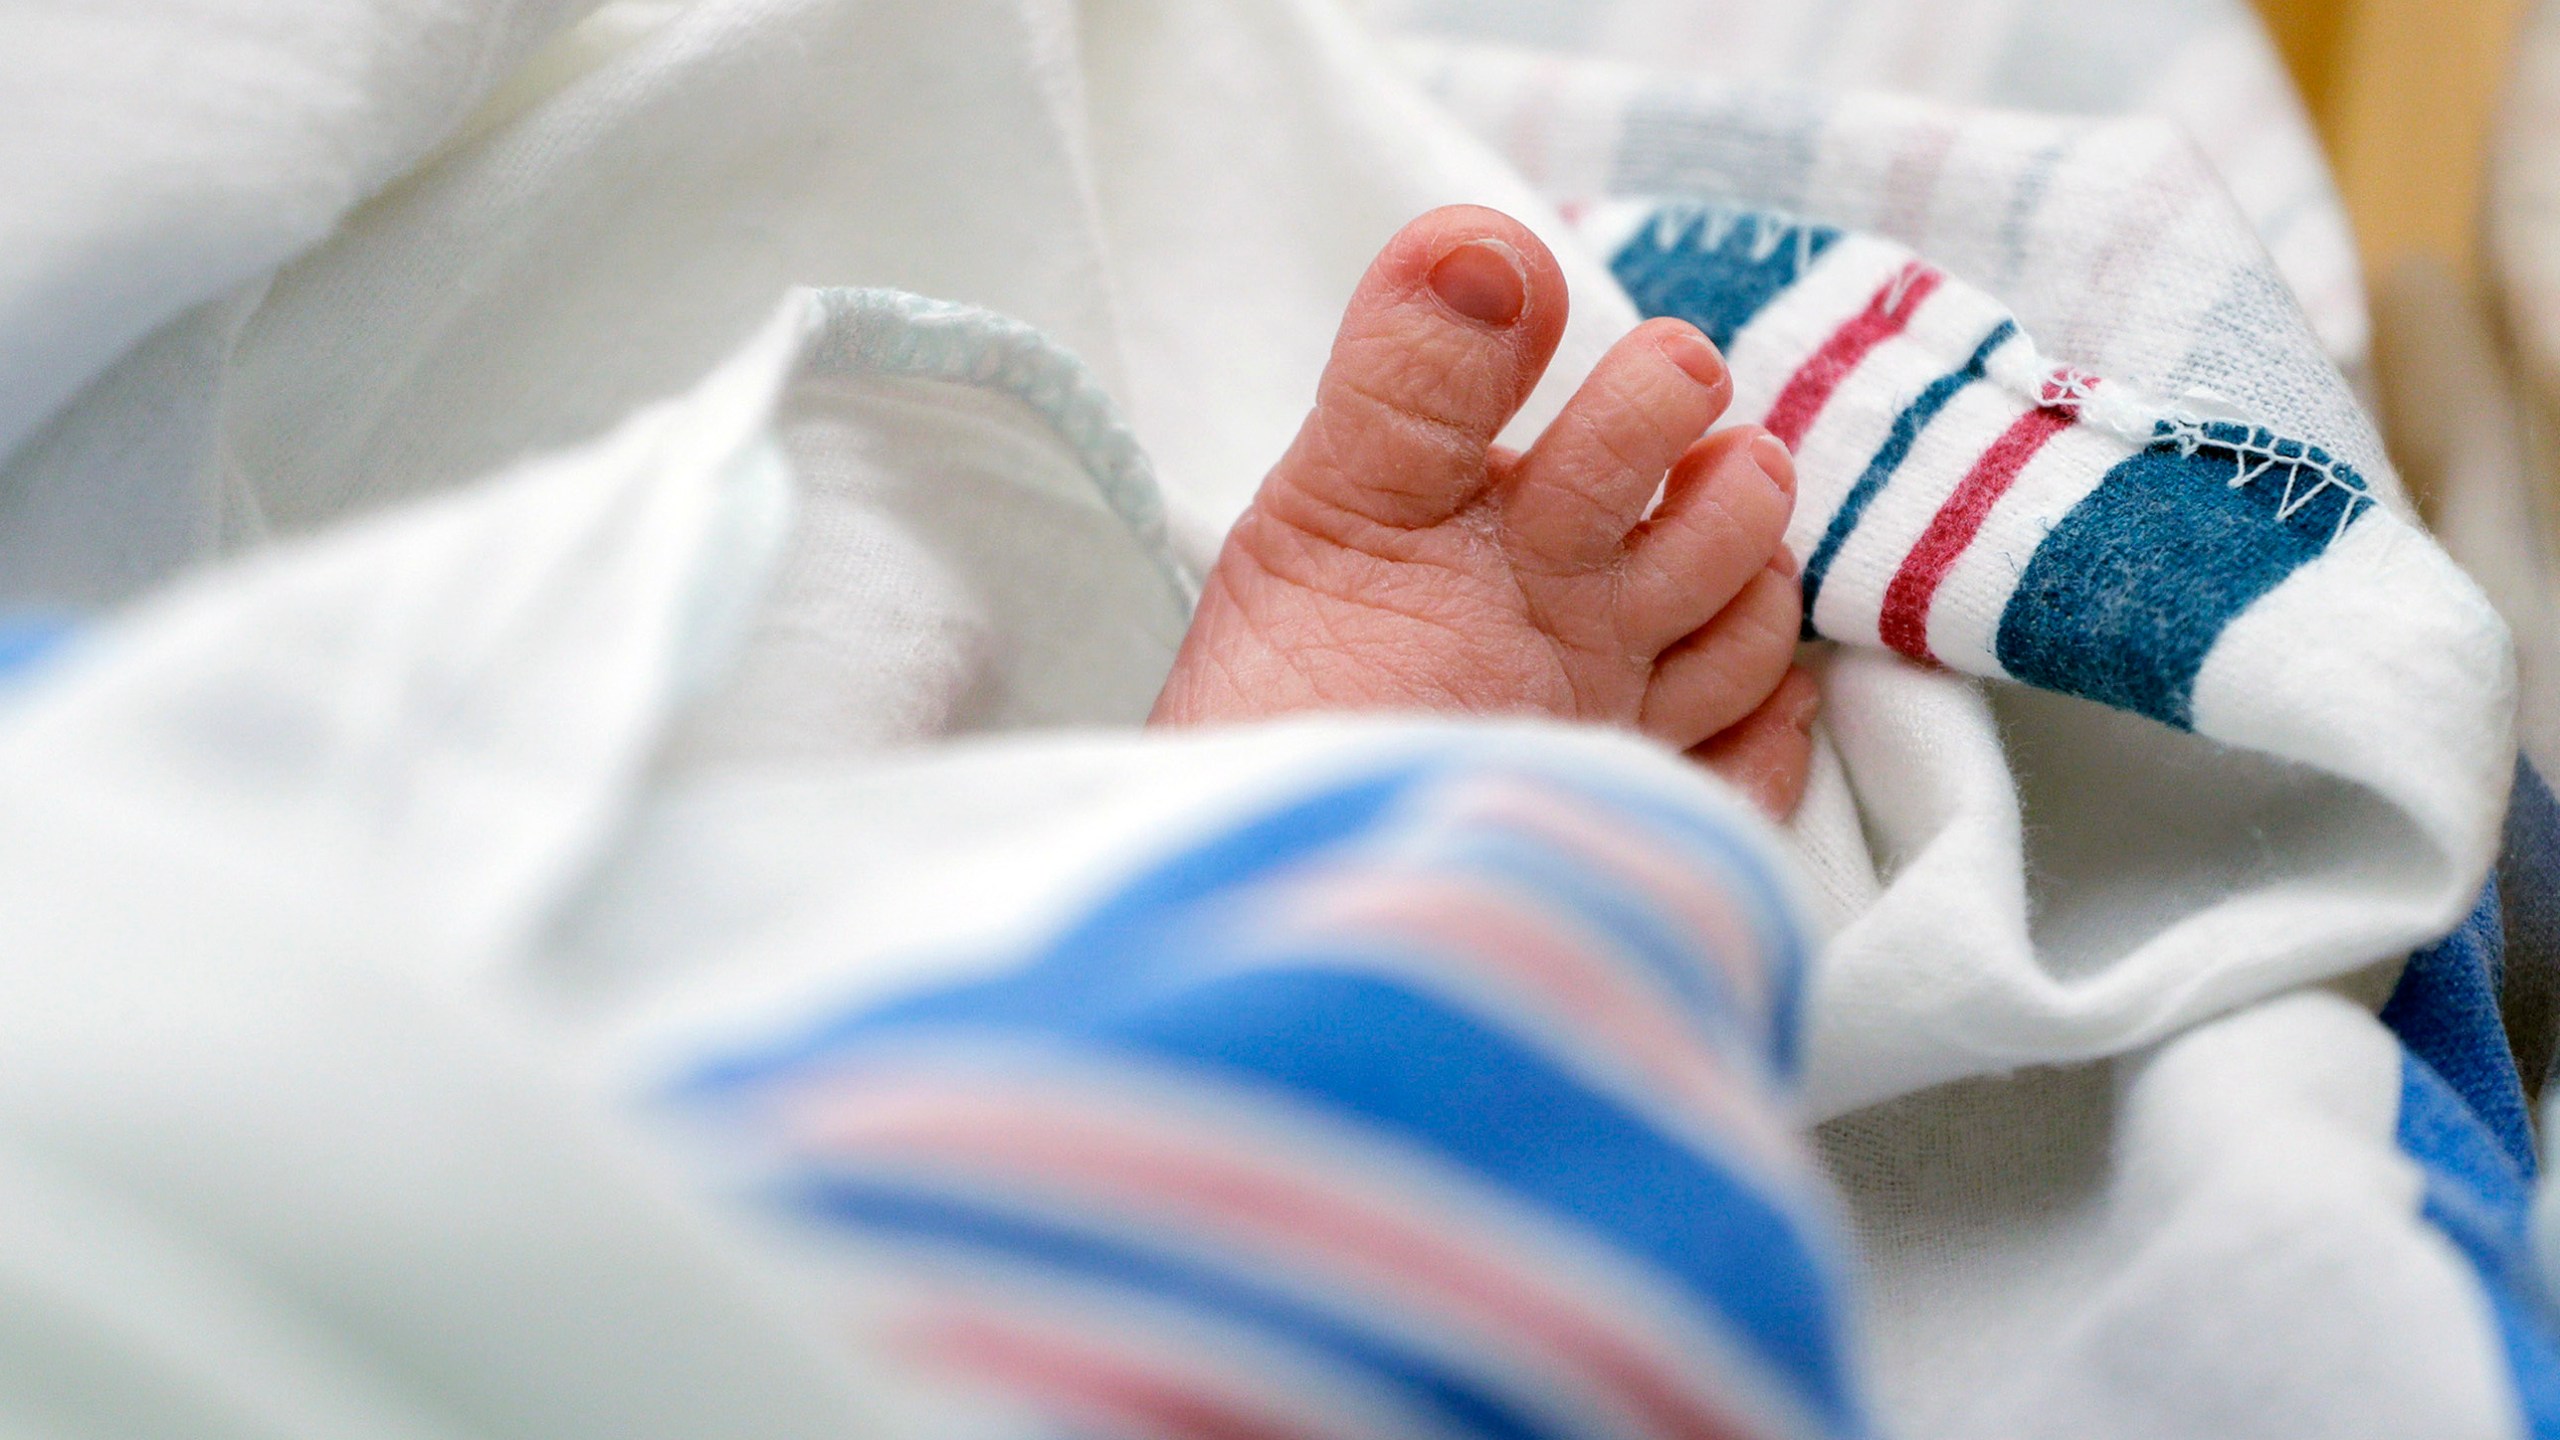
1811 387
1084 1382
1905 621
1125 1170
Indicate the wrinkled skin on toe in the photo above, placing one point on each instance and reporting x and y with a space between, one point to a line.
1396 559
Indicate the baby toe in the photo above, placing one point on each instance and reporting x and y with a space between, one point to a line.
1722 520
1581 488
1768 754
1728 667
1441 344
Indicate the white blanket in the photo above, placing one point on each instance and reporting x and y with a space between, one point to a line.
2095 1036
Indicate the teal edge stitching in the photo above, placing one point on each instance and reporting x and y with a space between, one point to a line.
2255 450
899 333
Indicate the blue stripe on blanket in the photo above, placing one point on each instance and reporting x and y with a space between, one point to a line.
2123 601
2529 892
1716 268
1434 1078
1888 462
2445 1012
2463 1121
2128 594
1115 1261
1617 912
27 638
1180 977
2479 1200
1136 936
1742 871
1147 935
1441 1081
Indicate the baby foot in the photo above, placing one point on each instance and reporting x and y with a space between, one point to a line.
1397 559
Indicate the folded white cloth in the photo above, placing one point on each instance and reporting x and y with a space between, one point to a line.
2204 66
443 945
274 1163
2099 843
2126 1151
162 160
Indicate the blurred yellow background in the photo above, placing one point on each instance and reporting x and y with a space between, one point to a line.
2404 92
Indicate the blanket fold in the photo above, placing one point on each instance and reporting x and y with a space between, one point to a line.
506 771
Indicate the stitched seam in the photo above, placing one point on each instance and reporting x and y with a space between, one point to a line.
898 333
2257 452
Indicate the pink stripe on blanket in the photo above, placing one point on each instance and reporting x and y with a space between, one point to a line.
1810 389
1122 1166
1911 184
1115 1393
1904 623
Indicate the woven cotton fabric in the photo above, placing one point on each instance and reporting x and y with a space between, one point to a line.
888 369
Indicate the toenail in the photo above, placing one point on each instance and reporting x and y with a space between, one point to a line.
1784 562
1483 280
1696 354
1770 454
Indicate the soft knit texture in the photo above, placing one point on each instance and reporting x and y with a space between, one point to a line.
775 703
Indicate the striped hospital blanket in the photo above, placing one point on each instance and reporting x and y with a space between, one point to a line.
1445 1101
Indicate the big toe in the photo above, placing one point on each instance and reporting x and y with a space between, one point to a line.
1442 342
